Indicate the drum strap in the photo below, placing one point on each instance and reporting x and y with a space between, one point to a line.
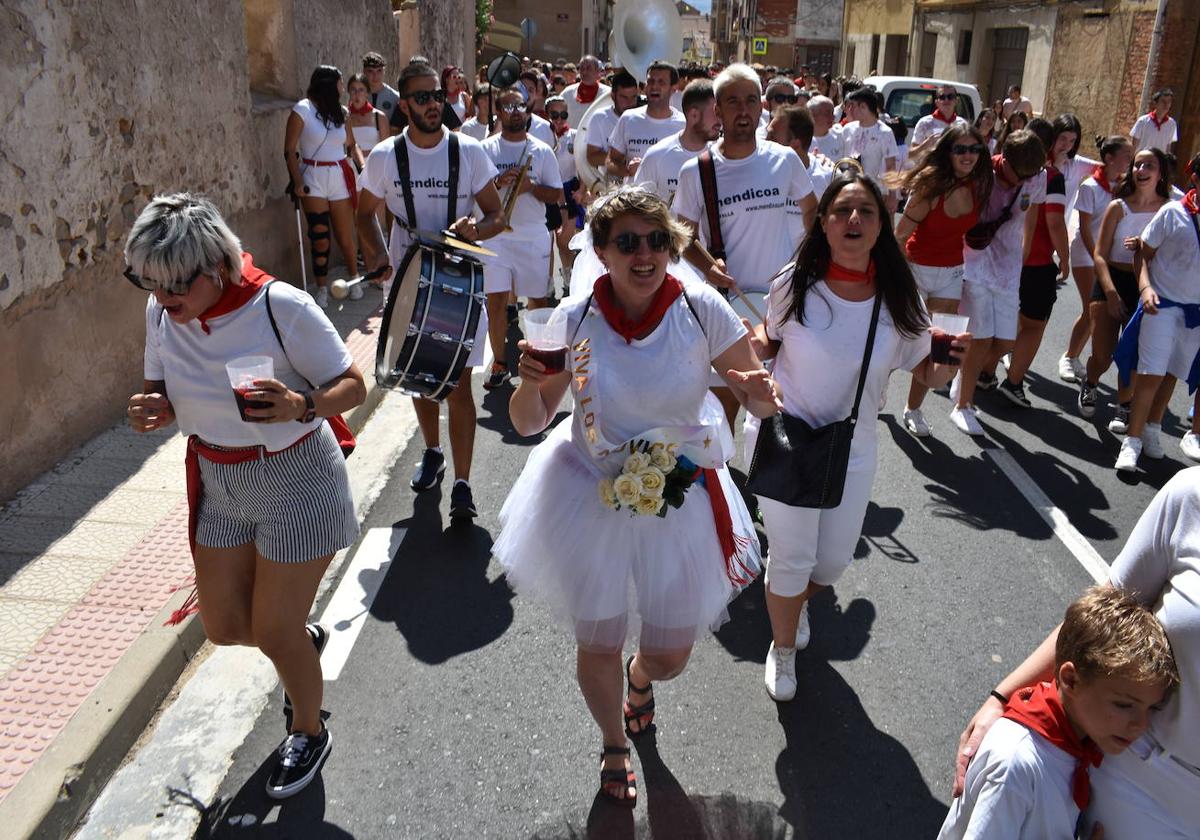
410 207
708 184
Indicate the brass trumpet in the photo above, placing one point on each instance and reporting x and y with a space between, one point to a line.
513 192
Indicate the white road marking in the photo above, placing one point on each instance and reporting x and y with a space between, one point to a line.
346 613
1058 521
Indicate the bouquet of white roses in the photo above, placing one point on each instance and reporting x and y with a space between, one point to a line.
649 483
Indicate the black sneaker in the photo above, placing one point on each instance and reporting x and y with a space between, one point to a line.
429 473
300 759
1119 425
462 505
986 381
1015 393
320 638
1087 400
497 378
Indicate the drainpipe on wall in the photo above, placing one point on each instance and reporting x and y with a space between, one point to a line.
1152 60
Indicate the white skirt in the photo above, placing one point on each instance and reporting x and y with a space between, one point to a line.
594 566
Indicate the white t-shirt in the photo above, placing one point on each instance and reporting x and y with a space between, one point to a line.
636 131
676 100
999 265
759 240
320 140
932 126
472 127
820 360
1092 199
872 145
529 214
820 170
565 154
430 170
192 363
1018 787
1175 269
575 108
1147 135
661 165
1160 564
830 145
600 127
1075 171
541 129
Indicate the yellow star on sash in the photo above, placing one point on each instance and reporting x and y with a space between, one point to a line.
707 441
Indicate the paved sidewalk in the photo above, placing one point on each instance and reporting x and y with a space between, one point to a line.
93 559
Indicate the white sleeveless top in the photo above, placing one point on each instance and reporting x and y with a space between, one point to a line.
366 136
318 140
1130 224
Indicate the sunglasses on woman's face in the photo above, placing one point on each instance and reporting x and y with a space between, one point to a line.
171 288
422 97
557 115
973 149
628 243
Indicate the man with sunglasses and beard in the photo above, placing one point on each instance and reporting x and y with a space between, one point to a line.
522 262
427 148
780 92
929 128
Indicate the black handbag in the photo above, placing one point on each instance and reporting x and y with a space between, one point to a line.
981 234
801 466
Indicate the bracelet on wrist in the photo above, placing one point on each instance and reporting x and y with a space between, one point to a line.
1003 700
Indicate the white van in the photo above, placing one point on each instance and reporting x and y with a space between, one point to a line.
911 97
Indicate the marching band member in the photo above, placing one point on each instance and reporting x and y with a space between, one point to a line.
572 208
662 162
792 126
579 95
600 126
638 129
426 148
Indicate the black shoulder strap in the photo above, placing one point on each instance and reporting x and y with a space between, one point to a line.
708 185
452 195
410 208
695 314
275 329
862 374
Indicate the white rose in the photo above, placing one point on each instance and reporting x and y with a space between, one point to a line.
628 489
663 460
648 505
607 494
636 462
653 482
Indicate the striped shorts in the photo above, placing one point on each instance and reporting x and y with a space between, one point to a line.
294 506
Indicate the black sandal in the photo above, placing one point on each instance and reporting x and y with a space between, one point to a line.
643 715
616 783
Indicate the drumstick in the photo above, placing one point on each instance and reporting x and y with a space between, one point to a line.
339 288
736 290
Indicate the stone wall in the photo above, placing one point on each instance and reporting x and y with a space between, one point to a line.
116 101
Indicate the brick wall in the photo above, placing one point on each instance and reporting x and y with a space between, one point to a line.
1128 104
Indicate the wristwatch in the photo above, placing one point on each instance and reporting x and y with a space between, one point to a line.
310 409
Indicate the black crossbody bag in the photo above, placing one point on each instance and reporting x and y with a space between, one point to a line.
801 466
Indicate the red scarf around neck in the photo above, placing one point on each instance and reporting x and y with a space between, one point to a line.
1190 202
849 275
1099 176
586 93
365 109
1039 709
937 115
1154 119
624 327
233 296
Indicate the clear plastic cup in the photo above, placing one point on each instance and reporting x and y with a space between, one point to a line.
945 328
242 373
546 331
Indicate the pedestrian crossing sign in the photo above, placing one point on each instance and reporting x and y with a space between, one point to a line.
758 46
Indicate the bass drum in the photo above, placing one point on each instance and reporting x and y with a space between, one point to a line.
429 323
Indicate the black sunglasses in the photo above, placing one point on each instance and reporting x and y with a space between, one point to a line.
557 115
171 288
973 149
628 243
514 108
422 97
942 97
789 98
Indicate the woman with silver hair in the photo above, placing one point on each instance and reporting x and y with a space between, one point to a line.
269 501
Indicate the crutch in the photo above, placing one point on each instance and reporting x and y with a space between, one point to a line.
300 240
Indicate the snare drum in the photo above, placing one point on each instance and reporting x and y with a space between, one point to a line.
430 321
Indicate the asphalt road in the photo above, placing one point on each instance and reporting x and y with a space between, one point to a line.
457 715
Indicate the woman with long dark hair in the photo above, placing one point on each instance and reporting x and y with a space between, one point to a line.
1017 121
818 317
985 124
316 146
458 95
946 189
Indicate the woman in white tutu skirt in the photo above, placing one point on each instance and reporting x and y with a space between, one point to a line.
629 507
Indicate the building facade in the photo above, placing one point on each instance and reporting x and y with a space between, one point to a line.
566 30
876 38
696 27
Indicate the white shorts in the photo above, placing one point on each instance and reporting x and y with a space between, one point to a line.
993 312
939 281
1144 794
325 182
807 544
520 265
1080 256
1166 345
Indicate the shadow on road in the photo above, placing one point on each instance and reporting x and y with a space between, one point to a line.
437 590
245 813
838 634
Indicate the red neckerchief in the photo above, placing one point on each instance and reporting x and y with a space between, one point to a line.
586 93
559 132
1190 203
937 115
234 295
663 298
1154 119
1101 178
1039 709
849 275
365 109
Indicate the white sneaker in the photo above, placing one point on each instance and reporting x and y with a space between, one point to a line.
1068 369
356 291
965 421
1190 446
1006 360
780 675
804 629
322 297
955 387
916 423
1151 442
1127 458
